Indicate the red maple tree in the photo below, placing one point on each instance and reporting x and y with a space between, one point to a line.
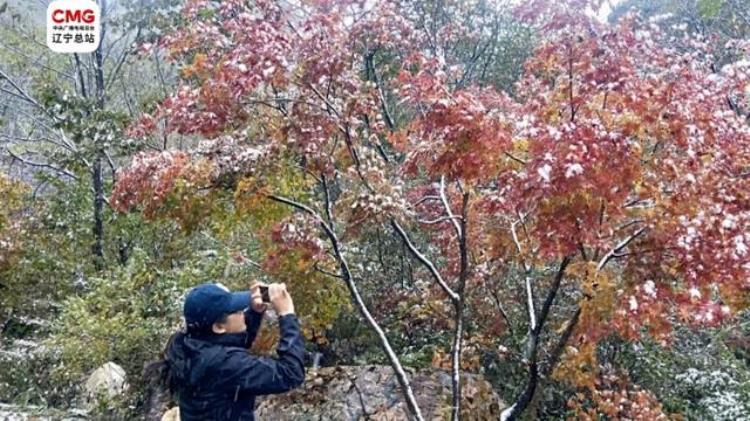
619 168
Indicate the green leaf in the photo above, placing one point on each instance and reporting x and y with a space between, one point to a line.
709 8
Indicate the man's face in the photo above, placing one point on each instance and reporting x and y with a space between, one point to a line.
235 324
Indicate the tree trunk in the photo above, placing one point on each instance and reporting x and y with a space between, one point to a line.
98 179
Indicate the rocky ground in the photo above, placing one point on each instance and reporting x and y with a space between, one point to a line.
371 392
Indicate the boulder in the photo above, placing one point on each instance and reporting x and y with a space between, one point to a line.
372 392
172 415
108 380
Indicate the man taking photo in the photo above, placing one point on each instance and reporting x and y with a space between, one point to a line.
208 369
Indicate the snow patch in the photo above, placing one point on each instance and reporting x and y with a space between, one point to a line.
573 170
544 172
650 288
633 303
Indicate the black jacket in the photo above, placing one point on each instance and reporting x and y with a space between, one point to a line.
217 379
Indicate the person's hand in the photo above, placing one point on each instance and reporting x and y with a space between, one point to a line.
256 299
280 299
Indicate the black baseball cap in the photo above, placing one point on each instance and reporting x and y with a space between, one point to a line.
208 303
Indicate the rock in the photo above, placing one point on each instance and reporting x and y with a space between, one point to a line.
35 413
172 415
372 392
108 380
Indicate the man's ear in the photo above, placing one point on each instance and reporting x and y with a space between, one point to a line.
218 328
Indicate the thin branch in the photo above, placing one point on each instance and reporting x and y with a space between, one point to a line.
346 275
629 223
424 199
526 267
500 308
330 106
325 272
530 303
310 173
294 204
438 220
118 67
381 93
562 341
42 165
618 247
519 160
425 261
35 62
553 291
329 207
79 70
639 203
11 93
23 93
447 207
112 166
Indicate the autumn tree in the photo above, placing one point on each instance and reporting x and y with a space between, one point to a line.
12 194
607 195
62 114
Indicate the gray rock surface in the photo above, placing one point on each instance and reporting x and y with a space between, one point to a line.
372 392
108 380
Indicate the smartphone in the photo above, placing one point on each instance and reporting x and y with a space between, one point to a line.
264 294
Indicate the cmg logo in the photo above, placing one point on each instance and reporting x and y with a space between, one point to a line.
78 15
73 26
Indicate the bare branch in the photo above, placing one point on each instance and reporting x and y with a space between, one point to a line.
629 223
31 60
23 93
370 60
325 272
639 203
346 275
447 207
530 303
424 199
113 75
438 220
526 267
329 207
618 247
42 165
294 204
112 166
562 341
310 173
553 291
425 261
514 158
532 343
500 308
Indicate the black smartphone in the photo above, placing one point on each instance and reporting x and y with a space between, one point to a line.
264 294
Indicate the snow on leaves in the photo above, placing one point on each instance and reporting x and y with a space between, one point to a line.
617 150
295 235
148 181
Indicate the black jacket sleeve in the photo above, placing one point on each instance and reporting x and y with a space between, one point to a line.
247 373
253 320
